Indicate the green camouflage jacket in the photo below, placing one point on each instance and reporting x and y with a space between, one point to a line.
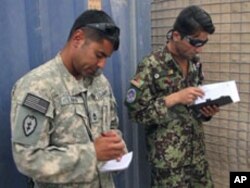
174 135
54 119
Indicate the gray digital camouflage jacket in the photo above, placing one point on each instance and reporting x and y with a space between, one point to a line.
54 119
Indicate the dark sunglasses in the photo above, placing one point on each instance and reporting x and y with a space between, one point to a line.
110 30
107 28
195 42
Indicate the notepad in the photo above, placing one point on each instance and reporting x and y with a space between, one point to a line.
218 94
114 165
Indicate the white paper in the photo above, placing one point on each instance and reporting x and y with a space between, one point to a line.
217 90
114 165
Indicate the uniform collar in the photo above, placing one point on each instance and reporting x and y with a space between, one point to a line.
74 86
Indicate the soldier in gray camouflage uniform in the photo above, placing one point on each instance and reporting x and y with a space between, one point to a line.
63 117
159 96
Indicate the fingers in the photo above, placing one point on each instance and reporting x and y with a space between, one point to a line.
197 92
190 94
205 112
114 144
115 151
109 133
112 137
109 146
120 157
210 110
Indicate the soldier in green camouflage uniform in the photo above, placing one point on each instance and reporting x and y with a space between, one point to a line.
63 116
159 96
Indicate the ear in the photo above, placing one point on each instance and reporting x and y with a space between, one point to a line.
176 36
78 38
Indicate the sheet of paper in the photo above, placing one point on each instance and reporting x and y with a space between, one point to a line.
114 165
217 90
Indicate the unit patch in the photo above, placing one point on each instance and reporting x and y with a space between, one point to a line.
131 95
29 125
36 103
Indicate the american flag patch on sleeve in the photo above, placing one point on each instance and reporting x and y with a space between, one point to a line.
36 103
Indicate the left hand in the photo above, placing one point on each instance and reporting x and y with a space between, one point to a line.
209 111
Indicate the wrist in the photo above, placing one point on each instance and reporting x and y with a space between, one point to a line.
167 102
170 100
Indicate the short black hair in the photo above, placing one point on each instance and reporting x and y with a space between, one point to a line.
92 17
193 19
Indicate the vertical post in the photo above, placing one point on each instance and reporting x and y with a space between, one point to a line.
133 58
95 4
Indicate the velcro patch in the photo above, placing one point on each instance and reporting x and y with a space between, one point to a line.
137 82
36 103
29 125
131 95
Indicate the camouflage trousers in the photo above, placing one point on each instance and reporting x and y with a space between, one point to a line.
193 176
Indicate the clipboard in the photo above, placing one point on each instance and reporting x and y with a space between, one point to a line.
219 94
223 100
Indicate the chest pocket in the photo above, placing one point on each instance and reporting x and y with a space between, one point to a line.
71 121
166 82
99 110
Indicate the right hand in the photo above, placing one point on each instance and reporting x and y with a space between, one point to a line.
189 95
185 96
109 146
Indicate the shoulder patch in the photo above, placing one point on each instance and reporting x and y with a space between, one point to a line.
36 103
29 125
131 95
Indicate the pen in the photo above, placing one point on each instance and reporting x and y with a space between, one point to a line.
104 120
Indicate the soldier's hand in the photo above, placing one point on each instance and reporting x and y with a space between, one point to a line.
109 146
185 96
209 110
189 95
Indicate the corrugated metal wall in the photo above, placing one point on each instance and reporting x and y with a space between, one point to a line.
225 57
32 31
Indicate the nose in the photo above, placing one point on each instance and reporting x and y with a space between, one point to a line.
101 63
